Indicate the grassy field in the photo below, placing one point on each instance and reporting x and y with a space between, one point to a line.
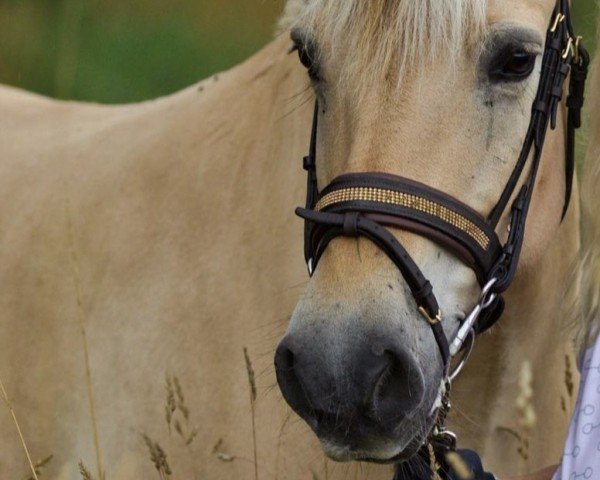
122 51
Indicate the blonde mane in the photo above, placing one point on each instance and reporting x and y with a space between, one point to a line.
373 37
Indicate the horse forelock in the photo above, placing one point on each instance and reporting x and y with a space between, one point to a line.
374 37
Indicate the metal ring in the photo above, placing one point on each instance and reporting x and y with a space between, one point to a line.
463 361
487 297
487 288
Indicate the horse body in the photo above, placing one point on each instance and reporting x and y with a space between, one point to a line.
172 220
166 228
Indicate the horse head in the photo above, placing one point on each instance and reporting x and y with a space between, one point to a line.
438 93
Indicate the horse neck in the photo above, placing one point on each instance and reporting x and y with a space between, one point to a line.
535 335
243 134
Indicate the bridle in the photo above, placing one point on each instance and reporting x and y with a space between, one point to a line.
366 204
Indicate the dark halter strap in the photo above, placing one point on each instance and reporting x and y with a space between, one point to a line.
366 204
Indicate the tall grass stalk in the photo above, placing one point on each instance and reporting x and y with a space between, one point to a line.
84 338
253 396
18 427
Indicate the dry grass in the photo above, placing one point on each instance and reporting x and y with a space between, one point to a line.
171 406
39 466
222 456
459 466
178 419
86 349
524 403
85 473
158 457
175 403
253 396
19 431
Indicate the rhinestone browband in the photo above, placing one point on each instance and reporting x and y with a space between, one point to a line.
406 200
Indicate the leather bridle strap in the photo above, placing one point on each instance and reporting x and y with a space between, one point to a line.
575 100
312 189
322 226
353 224
563 55
545 106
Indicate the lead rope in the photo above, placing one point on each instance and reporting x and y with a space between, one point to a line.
434 466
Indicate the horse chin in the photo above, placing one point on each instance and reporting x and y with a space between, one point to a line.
387 453
400 445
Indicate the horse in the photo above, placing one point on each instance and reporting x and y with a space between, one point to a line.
151 262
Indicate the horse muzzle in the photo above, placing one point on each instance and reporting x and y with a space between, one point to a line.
366 401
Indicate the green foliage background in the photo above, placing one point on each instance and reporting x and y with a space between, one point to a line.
126 50
129 50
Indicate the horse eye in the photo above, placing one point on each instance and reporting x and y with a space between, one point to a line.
307 53
512 66
307 59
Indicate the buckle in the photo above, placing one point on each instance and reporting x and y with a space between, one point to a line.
432 321
577 54
559 18
569 49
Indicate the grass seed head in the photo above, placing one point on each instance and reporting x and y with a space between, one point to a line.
85 473
158 457
251 375
181 399
171 405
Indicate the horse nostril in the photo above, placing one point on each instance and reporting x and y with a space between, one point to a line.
400 389
369 386
289 383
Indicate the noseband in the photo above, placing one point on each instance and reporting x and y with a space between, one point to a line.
367 204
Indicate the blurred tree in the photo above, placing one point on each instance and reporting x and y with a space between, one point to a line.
114 51
586 19
123 51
